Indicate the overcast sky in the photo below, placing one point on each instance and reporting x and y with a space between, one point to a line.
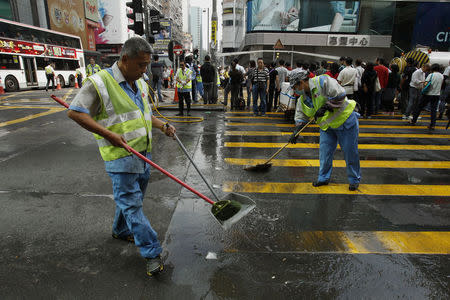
208 4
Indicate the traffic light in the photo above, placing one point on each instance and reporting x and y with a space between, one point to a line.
137 16
195 53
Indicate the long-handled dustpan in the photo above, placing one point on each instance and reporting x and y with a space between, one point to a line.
226 211
239 204
265 166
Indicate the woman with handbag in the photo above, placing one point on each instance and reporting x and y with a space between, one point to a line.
431 93
367 96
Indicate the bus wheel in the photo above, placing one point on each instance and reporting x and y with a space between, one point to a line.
71 81
61 81
11 84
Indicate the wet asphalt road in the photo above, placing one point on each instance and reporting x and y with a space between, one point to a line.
390 239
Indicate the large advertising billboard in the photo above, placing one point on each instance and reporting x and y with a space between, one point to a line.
432 26
303 15
164 36
68 16
113 22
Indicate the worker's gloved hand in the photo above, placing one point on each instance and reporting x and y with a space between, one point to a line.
322 110
294 136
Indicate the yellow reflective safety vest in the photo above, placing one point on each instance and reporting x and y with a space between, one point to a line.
184 76
121 115
49 70
92 70
332 119
78 72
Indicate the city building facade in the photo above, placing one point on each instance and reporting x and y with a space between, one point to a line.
195 27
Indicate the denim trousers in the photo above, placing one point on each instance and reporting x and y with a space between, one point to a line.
348 140
424 101
129 219
262 97
156 85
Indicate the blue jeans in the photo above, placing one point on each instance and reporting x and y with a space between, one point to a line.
200 88
156 85
262 96
347 136
129 190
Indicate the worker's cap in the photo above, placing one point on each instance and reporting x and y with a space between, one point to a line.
296 76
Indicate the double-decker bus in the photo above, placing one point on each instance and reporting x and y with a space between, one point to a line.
26 50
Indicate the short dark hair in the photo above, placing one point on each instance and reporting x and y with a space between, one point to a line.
348 60
324 63
281 62
207 57
299 64
252 64
342 58
155 57
435 68
394 69
236 60
273 64
358 62
381 61
260 58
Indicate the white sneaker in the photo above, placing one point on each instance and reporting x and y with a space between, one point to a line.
404 117
419 118
410 117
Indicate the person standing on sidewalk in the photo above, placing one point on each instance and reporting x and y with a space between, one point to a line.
282 74
209 78
113 104
445 93
383 76
347 77
50 73
323 99
431 93
274 86
236 78
249 76
260 88
157 70
415 87
184 86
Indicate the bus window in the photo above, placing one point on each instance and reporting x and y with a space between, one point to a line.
41 63
9 62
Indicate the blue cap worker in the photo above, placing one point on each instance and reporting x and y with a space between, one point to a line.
113 104
323 99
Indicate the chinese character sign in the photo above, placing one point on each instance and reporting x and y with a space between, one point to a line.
348 40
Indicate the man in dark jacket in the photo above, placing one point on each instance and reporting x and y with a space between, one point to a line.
209 78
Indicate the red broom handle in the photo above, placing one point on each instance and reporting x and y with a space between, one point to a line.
63 103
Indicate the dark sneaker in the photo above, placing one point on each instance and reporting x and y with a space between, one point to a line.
353 186
320 183
179 115
128 238
154 265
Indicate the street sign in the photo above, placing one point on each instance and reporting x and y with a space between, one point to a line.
278 45
177 49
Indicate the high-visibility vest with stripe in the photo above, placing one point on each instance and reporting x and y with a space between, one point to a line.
184 76
332 119
92 70
121 115
49 70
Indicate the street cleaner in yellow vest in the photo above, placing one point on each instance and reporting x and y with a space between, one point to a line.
92 68
323 99
113 104
184 86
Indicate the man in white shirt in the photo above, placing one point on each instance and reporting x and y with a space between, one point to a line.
415 87
431 93
347 77
282 74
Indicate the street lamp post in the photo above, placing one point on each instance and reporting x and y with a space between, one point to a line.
207 30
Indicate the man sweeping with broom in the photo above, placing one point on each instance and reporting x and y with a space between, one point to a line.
113 104
324 99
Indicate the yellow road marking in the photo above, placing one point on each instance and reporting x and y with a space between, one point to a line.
316 146
14 94
382 135
34 116
360 126
362 242
364 189
341 163
30 117
361 120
